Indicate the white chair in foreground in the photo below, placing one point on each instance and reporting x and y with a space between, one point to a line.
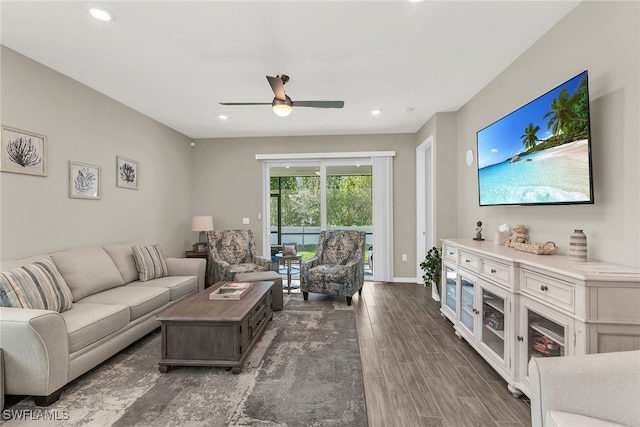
600 390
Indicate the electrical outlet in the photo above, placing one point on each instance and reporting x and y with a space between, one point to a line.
404 257
245 221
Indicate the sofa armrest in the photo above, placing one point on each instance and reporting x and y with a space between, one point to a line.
35 349
188 267
603 386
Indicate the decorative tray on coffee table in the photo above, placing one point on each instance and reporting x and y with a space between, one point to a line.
231 291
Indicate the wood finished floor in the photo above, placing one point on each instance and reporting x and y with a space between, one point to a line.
418 373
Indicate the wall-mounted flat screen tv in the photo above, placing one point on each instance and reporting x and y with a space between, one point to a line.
541 153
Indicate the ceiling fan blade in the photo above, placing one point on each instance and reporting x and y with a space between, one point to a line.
277 85
245 103
318 104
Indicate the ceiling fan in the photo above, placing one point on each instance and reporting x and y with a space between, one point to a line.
282 104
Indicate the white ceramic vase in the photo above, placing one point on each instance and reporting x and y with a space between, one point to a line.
578 246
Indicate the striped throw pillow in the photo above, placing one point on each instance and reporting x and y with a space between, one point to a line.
150 262
39 285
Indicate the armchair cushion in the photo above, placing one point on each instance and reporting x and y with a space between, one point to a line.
39 285
565 419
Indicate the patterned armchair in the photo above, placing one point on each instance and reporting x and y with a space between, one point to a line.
232 252
337 267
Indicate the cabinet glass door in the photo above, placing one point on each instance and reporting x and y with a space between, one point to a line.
546 337
450 299
467 307
492 333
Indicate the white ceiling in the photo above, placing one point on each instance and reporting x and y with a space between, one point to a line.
174 61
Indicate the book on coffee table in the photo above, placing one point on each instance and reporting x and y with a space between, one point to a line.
231 291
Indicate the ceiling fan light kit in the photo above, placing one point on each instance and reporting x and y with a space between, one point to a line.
281 109
282 105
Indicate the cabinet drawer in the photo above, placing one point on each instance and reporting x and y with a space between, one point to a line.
450 252
470 261
549 289
498 272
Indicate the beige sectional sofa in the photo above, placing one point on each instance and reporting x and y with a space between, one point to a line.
44 350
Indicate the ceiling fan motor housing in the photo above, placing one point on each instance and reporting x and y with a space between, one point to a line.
286 101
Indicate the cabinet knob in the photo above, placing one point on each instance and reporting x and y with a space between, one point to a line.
520 338
544 288
493 271
467 260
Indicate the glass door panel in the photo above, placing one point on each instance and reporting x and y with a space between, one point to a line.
349 202
493 322
546 337
450 298
295 207
467 306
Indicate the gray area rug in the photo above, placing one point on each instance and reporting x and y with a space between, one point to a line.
304 371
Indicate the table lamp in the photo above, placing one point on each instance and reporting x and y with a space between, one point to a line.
202 224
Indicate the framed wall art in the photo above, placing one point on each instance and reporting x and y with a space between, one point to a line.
84 181
128 173
23 152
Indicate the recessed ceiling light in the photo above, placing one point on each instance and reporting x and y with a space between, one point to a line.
101 13
415 1
223 117
376 112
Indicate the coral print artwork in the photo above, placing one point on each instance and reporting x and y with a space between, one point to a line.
23 152
84 181
128 173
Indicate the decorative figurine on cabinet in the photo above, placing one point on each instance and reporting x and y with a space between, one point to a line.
519 236
478 231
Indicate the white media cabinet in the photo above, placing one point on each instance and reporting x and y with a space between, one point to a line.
511 306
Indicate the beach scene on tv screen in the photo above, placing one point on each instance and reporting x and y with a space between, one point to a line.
540 152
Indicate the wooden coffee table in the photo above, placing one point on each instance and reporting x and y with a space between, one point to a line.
201 332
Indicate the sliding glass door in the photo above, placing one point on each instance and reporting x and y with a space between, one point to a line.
334 190
307 198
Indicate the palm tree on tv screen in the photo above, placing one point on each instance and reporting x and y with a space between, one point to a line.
529 138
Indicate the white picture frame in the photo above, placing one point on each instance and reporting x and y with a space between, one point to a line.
127 173
23 152
84 181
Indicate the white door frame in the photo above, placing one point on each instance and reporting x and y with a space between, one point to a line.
425 218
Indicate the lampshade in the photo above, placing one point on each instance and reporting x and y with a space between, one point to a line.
282 110
202 223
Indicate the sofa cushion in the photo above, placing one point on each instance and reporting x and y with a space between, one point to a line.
38 285
150 262
87 323
87 270
122 256
178 286
566 419
141 300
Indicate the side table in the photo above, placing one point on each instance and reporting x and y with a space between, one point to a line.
287 259
205 255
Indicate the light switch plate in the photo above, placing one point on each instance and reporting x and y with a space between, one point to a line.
245 221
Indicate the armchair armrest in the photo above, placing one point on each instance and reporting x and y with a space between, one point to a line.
305 266
264 262
35 349
188 267
603 386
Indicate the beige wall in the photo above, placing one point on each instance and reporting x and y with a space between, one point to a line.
603 38
37 214
229 181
